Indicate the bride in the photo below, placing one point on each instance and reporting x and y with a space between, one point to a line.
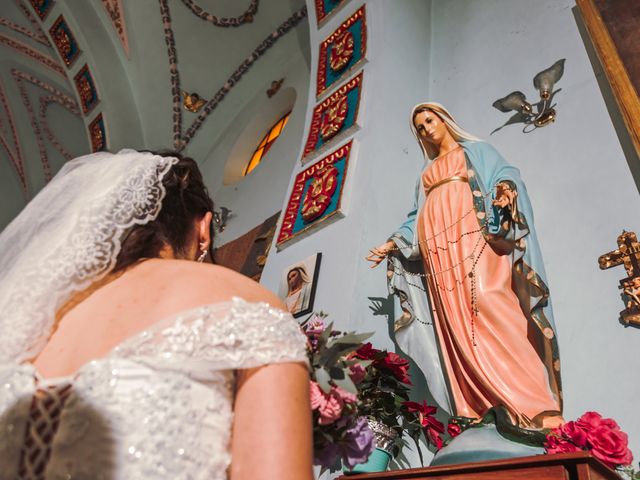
123 358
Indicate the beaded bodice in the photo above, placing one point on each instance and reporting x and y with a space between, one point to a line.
160 405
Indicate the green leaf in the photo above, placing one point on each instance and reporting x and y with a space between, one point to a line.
347 384
352 337
322 377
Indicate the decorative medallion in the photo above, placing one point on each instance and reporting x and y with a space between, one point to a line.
86 89
64 41
115 11
334 115
326 7
342 50
98 134
42 7
333 119
316 196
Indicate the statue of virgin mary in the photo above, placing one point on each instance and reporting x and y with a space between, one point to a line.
467 269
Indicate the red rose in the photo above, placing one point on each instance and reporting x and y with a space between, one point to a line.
398 366
574 433
610 446
367 352
591 420
454 430
556 444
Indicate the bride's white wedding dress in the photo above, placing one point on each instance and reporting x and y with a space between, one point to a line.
160 405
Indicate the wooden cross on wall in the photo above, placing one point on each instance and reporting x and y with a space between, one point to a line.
627 254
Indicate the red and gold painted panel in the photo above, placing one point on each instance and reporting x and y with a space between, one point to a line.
86 89
324 8
342 50
334 115
316 196
64 41
98 134
42 7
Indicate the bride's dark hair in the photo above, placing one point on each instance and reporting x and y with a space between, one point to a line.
186 200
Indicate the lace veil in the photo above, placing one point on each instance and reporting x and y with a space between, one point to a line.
68 237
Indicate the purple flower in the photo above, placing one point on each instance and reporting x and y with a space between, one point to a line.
359 443
315 326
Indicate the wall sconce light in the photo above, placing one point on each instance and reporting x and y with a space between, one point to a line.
543 114
220 218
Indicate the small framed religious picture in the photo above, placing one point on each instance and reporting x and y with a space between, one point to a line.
298 285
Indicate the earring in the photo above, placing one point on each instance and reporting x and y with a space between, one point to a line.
203 249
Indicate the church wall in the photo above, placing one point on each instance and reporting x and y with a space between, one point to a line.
576 174
260 194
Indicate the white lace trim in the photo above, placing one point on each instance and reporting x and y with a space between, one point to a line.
229 335
85 253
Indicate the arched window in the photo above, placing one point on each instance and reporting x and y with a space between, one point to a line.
268 140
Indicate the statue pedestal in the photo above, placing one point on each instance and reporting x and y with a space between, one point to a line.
574 466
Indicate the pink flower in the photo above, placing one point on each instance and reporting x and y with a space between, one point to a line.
575 433
357 373
315 326
610 446
329 405
555 444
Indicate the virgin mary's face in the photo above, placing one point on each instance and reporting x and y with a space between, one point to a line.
430 127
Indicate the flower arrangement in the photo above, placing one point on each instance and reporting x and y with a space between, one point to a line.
601 436
384 393
340 433
352 384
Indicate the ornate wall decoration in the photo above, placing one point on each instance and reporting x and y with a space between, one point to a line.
246 17
38 35
115 11
64 41
342 50
86 89
26 50
45 102
180 140
42 7
326 7
334 115
12 148
98 134
628 255
56 96
316 196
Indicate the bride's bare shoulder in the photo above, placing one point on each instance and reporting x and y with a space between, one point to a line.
211 282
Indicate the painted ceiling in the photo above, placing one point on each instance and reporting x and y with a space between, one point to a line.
81 76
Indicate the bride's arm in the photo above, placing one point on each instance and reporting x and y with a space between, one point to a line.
272 435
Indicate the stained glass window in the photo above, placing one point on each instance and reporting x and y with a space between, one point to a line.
264 146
